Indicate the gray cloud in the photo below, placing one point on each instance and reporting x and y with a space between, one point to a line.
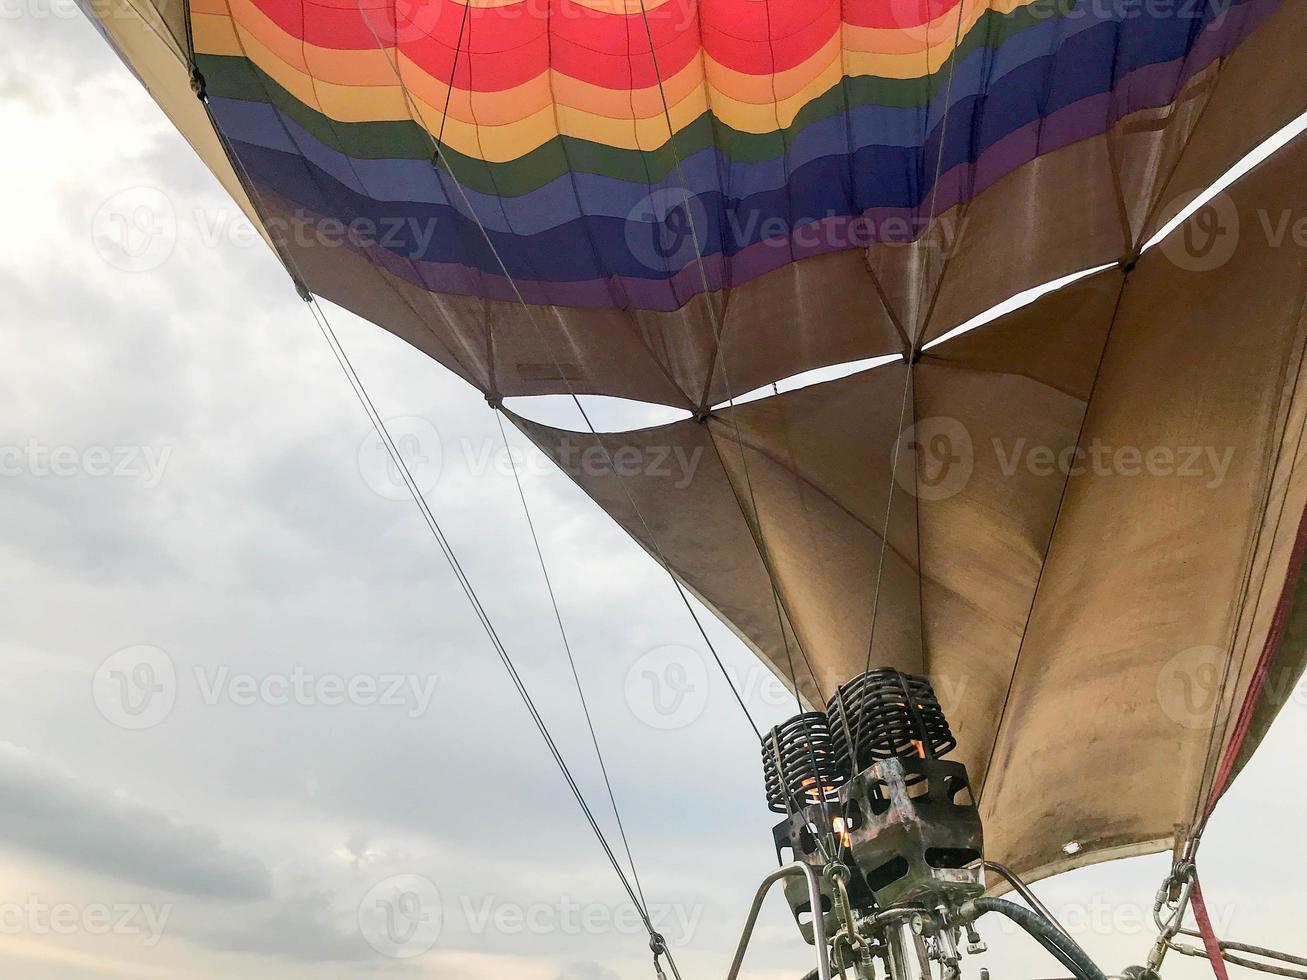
306 927
59 816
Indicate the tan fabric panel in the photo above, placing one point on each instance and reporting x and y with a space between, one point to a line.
171 16
666 486
666 358
1248 104
996 409
1058 215
811 314
1147 147
155 56
166 19
1281 614
1154 579
805 460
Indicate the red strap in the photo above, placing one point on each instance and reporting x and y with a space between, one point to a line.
1205 927
1261 674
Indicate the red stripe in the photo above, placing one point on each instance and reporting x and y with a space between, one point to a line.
748 46
506 46
1255 690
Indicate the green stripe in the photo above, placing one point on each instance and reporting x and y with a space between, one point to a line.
240 79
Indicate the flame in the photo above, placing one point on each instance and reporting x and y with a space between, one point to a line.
818 794
841 829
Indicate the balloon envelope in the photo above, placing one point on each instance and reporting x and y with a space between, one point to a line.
1080 519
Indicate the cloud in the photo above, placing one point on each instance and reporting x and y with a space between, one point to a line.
306 927
57 815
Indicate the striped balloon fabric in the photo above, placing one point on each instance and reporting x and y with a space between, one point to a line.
633 153
683 202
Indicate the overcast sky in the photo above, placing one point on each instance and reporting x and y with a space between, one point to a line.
193 504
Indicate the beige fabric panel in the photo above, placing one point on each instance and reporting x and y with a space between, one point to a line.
667 488
1146 147
1153 576
1248 103
811 314
171 15
806 457
996 408
156 58
666 358
1056 216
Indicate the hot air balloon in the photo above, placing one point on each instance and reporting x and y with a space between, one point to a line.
1081 519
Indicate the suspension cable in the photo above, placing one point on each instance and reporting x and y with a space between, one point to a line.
657 943
720 352
825 840
530 313
571 659
469 590
1180 893
909 361
526 510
